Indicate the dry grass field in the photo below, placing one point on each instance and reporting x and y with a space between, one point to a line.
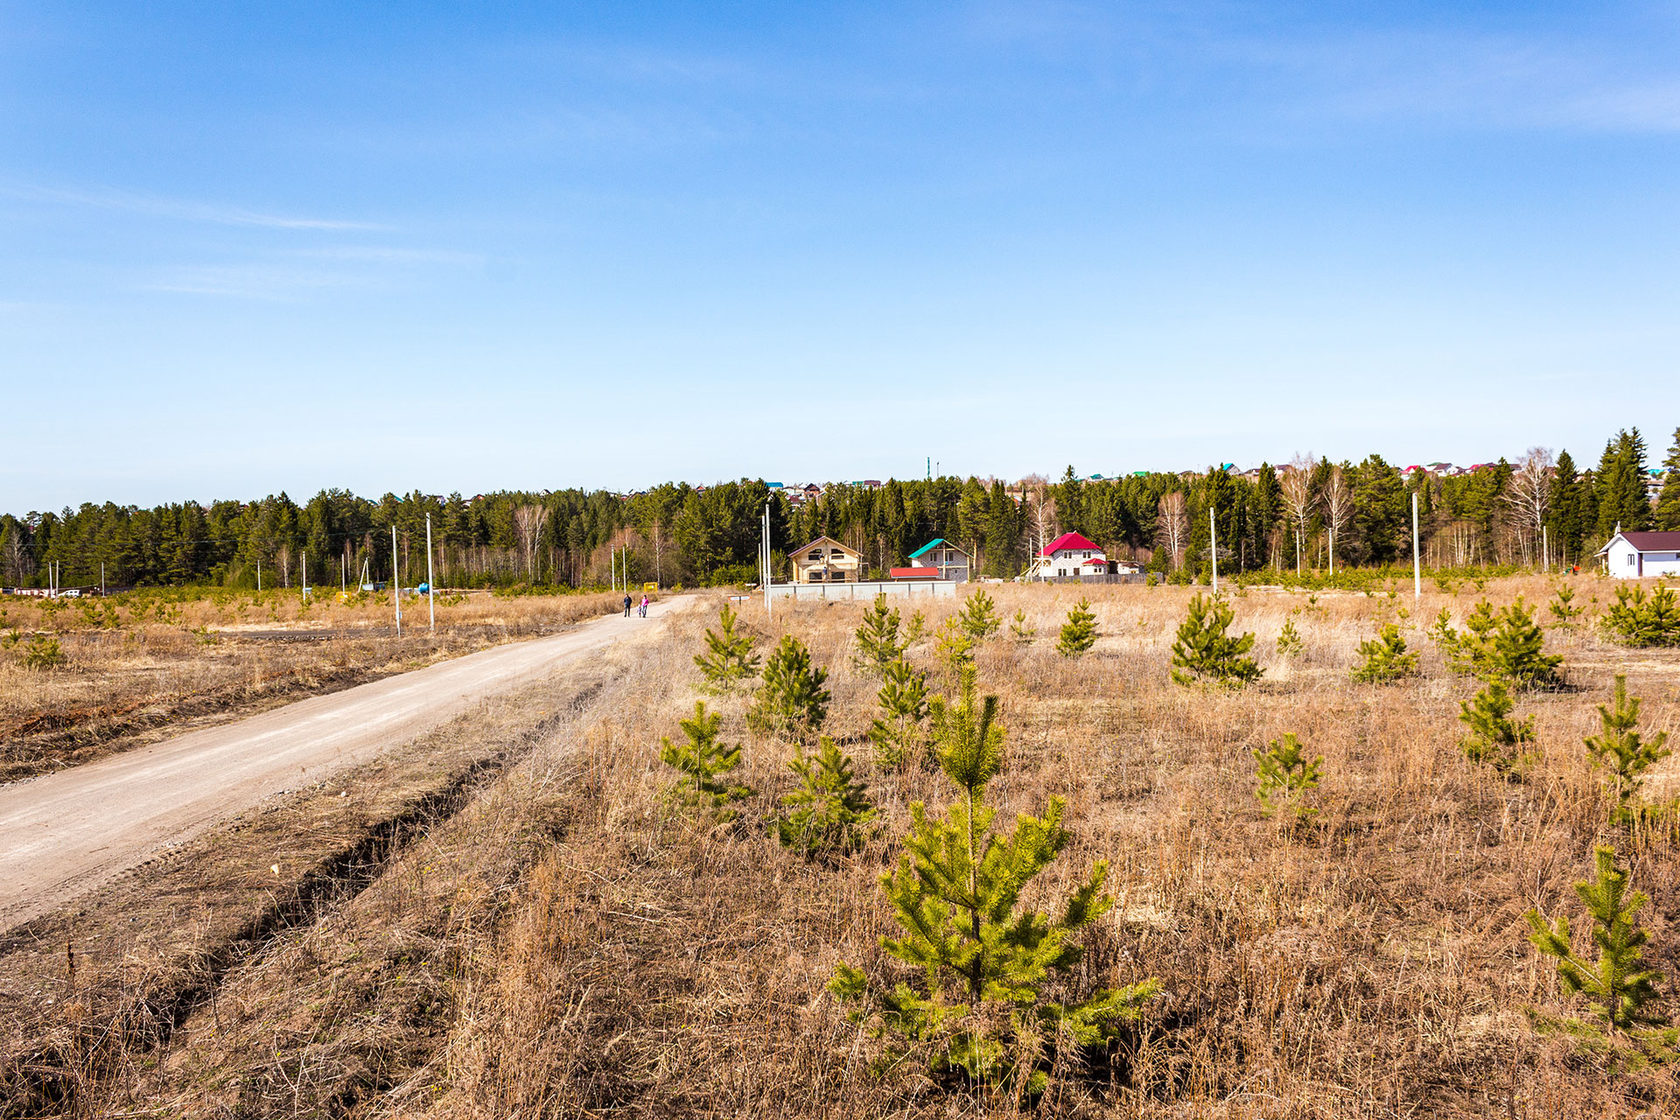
564 942
150 663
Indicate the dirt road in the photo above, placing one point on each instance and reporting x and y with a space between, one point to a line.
65 833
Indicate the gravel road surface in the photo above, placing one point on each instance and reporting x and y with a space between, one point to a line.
66 833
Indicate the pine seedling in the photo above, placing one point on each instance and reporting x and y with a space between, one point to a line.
1289 644
830 812
877 638
914 630
954 649
729 659
1494 737
41 654
985 961
1283 778
791 700
1203 651
1618 987
1622 751
1637 620
1385 659
899 734
1079 632
1514 650
1562 605
979 618
1020 630
703 762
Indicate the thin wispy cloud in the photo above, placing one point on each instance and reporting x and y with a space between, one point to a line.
182 209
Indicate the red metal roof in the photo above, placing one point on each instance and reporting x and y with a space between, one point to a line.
915 573
1067 540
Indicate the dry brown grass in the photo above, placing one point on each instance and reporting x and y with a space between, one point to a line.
143 665
567 946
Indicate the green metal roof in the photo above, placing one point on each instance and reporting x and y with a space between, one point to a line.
934 543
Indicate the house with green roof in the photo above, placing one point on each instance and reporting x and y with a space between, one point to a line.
951 562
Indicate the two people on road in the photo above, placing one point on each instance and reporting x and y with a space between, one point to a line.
629 602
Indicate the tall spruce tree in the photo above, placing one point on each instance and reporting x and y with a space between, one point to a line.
984 965
1620 485
1667 513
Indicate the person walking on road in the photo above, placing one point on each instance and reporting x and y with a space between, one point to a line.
627 604
644 606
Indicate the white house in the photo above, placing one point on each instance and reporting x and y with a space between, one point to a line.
1632 555
1068 556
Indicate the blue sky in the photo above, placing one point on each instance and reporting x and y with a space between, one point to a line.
250 248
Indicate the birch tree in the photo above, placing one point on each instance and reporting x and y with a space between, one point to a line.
1295 488
1528 498
527 522
1172 524
1337 501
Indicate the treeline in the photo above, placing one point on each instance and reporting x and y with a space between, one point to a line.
1308 514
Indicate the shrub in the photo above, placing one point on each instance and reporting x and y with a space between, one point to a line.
983 962
1289 643
830 811
729 658
898 734
1636 619
979 618
1385 659
1283 778
792 700
1618 987
877 638
1620 749
1494 737
1203 651
42 654
703 761
1079 632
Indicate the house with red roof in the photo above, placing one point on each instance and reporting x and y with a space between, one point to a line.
1069 556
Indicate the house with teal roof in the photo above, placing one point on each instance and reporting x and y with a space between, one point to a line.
951 562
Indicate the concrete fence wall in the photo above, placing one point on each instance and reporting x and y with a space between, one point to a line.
893 589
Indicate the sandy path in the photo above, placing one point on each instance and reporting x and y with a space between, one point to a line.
63 834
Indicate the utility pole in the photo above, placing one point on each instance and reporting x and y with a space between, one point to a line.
304 573
1213 550
259 574
765 549
102 579
396 584
431 588
1417 563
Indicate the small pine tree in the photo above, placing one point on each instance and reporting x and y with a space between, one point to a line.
979 617
1020 630
792 700
877 638
955 648
1494 737
1203 650
729 658
703 761
1079 632
1622 751
1506 644
1637 620
914 630
41 654
898 734
1289 644
830 812
1563 607
1618 987
984 962
1385 659
1283 778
